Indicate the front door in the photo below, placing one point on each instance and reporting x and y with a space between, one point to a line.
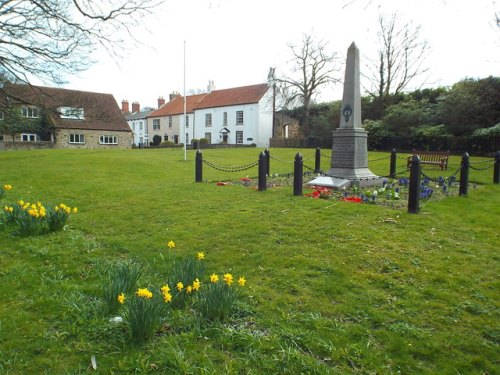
224 138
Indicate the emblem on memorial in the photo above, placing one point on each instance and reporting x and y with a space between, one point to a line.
347 112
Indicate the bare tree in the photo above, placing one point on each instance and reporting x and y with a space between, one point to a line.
46 39
401 56
312 67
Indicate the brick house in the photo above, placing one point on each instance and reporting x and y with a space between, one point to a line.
60 118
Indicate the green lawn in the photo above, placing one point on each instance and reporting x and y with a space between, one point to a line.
332 287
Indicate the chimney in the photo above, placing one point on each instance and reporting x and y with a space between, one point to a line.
211 86
136 107
125 106
161 101
172 95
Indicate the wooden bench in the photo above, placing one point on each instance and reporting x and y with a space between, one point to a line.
439 158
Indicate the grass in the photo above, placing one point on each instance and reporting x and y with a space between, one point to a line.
332 287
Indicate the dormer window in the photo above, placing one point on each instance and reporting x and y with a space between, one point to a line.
29 112
72 113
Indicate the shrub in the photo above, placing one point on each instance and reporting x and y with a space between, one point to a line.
156 140
203 141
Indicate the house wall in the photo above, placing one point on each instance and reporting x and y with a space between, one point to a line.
125 139
249 126
173 131
140 135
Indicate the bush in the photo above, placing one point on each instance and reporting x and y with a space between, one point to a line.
156 140
203 141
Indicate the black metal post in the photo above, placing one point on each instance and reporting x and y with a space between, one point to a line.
392 170
268 162
464 175
414 188
317 161
262 171
496 170
297 174
198 166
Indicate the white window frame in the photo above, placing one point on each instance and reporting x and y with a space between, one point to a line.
224 119
187 121
208 137
72 113
28 137
77 139
239 137
170 121
105 139
156 124
29 112
208 120
239 118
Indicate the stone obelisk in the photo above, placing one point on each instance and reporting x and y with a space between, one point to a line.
349 148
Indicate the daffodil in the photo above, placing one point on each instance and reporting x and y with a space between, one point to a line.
167 297
144 293
196 284
189 289
200 255
214 278
121 298
241 281
75 210
165 289
228 279
171 244
180 286
7 187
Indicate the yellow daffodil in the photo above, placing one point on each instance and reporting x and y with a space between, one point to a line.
75 210
180 286
165 289
200 255
228 278
7 187
189 289
241 281
167 297
144 293
121 298
214 278
11 209
196 284
171 244
21 203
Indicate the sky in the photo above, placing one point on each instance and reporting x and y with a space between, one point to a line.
235 42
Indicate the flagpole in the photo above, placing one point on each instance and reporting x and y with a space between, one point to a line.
184 122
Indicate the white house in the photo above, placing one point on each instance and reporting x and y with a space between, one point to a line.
139 126
240 115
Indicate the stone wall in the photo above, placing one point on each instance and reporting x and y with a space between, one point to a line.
92 139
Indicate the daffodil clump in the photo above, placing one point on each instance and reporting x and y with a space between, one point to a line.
32 218
57 217
4 189
217 299
145 308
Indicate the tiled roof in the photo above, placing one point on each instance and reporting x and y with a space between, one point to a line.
176 106
101 111
234 96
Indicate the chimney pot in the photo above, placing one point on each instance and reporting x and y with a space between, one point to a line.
161 101
125 108
136 107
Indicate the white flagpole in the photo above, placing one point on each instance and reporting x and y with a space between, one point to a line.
183 135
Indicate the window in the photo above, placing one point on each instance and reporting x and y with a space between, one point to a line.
156 124
224 120
108 139
239 117
29 112
208 120
1 115
1 137
72 113
165 137
208 137
28 137
140 126
187 121
239 137
187 138
133 127
76 138
169 121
